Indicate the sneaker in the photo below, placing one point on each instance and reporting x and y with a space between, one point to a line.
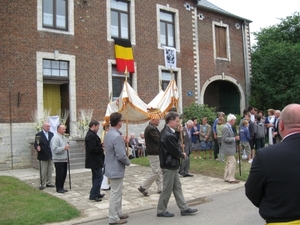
195 157
250 161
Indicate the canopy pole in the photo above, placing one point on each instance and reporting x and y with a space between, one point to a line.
181 135
126 136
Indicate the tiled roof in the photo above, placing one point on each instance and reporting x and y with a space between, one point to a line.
211 7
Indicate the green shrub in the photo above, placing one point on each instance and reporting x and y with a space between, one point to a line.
199 111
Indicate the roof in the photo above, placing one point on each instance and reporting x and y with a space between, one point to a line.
211 7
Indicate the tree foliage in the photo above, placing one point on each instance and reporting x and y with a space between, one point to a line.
275 78
199 111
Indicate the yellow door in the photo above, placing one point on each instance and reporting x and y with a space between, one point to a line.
52 101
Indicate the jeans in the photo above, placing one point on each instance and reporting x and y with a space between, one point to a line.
97 178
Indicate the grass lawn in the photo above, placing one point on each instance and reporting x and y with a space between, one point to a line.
23 204
207 167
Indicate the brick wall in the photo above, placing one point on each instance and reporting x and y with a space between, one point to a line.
21 40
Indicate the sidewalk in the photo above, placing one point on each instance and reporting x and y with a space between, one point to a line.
133 201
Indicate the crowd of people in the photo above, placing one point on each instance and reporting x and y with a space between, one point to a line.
168 151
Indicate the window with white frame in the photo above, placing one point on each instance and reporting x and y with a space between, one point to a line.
55 68
167 29
221 41
166 77
55 14
118 79
120 18
168 33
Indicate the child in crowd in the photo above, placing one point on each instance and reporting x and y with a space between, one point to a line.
245 138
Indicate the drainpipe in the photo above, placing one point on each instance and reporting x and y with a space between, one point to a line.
10 126
197 59
246 65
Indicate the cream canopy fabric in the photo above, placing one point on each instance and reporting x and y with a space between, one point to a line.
134 110
169 98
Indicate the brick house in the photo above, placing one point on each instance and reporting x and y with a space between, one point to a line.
59 54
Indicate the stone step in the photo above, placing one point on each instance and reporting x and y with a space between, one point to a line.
77 165
77 160
77 154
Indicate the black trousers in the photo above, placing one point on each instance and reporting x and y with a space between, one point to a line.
61 174
216 148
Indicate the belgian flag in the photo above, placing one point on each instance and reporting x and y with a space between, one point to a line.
124 55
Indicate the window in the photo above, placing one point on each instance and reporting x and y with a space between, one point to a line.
221 40
221 47
167 31
55 14
55 68
119 19
118 79
166 77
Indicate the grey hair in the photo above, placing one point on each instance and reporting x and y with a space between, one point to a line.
189 122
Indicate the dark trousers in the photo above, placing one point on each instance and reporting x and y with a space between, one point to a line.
185 165
61 174
259 143
97 178
216 148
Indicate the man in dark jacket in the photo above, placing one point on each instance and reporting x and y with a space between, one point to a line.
42 145
94 159
273 184
170 154
152 148
187 140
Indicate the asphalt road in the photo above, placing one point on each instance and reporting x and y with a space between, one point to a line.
227 208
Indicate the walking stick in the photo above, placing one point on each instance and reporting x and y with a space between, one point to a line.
69 170
68 142
238 150
37 139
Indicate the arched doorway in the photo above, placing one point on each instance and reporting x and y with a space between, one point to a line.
224 96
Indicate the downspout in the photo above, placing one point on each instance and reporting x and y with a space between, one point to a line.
246 65
197 77
10 126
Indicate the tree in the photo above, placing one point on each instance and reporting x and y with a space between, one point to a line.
275 78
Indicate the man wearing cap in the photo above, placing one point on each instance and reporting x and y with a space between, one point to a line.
229 149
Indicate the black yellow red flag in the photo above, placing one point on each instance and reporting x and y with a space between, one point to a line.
124 55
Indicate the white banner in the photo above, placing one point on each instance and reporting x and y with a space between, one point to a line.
170 57
54 122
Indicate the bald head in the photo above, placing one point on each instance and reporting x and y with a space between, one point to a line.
290 119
